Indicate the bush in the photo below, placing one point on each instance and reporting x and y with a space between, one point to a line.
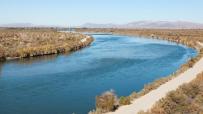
107 102
124 100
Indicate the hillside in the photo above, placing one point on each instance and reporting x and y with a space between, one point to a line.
148 25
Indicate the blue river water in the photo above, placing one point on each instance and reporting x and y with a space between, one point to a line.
66 84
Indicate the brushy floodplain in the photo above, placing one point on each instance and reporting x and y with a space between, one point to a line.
21 43
188 37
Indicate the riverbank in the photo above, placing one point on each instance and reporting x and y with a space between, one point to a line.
190 95
191 38
24 43
147 101
184 36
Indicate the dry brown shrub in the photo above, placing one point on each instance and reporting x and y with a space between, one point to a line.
107 102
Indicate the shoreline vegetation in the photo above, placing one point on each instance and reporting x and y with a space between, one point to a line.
187 99
24 43
16 43
108 101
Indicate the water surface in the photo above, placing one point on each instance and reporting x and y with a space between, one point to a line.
69 83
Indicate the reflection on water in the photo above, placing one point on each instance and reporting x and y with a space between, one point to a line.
1 65
29 61
65 84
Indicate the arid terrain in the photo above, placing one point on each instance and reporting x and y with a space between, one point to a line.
21 43
189 37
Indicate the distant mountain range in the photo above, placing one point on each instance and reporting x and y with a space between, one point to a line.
149 24
17 25
21 25
136 24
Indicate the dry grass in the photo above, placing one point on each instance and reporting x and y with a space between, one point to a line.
20 43
187 99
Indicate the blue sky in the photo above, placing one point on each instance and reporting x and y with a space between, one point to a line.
77 12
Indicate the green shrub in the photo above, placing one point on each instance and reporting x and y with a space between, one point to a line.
124 100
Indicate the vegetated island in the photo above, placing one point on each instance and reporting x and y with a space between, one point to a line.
30 42
186 99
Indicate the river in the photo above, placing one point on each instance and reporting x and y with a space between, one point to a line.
66 84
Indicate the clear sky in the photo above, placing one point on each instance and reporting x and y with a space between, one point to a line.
77 12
